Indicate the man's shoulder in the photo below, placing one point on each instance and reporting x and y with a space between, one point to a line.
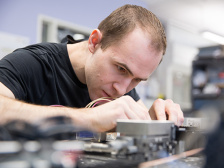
45 46
42 48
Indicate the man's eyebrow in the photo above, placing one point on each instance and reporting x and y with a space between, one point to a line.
126 67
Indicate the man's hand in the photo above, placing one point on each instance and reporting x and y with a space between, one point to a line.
166 109
103 117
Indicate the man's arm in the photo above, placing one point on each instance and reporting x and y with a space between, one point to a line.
99 119
12 109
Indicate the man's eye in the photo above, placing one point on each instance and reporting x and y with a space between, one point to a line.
121 69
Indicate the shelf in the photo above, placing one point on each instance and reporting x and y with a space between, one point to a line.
210 61
207 77
207 96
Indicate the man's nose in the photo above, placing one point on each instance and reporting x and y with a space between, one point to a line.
121 86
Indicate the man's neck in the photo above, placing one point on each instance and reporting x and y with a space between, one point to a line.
78 54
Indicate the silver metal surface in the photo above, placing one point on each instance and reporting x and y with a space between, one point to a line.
193 122
143 127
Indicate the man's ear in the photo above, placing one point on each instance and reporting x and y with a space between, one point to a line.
94 39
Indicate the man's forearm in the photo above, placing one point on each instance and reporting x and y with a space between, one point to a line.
12 109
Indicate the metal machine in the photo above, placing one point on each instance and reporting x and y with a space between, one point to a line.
55 144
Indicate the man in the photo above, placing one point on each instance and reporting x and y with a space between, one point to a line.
125 49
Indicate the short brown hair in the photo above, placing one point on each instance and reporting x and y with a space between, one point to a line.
125 19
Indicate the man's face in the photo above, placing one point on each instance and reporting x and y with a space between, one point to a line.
118 69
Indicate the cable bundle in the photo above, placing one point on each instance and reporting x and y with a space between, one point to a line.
98 101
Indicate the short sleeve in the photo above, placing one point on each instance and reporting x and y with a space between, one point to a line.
10 74
133 94
20 71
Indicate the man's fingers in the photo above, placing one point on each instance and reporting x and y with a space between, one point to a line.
171 111
157 110
138 111
130 113
133 110
166 109
180 115
174 112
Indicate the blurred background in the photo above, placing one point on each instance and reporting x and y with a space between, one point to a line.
191 73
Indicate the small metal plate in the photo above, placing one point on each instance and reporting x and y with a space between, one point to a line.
143 127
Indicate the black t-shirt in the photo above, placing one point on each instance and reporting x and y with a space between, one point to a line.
42 74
